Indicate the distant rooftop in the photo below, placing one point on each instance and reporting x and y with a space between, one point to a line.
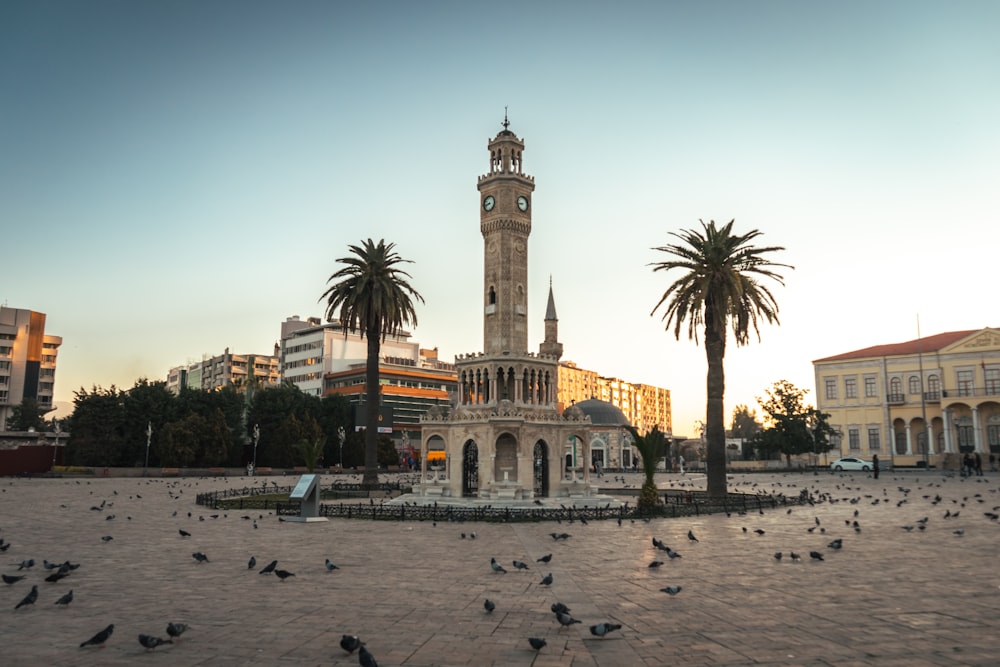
918 345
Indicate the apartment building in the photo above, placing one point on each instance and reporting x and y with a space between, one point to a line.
27 361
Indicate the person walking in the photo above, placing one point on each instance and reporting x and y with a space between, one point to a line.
875 465
979 465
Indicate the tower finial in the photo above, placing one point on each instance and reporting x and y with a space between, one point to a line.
506 123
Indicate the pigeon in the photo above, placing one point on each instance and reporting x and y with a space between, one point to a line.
175 630
107 538
330 567
692 537
29 563
497 567
671 590
65 599
269 568
565 619
546 580
815 555
100 638
655 563
366 659
200 557
521 566
49 566
29 598
758 531
183 533
151 642
672 553
777 555
489 605
56 576
544 559
836 544
794 556
12 578
559 608
252 563
537 643
350 643
283 574
560 536
602 629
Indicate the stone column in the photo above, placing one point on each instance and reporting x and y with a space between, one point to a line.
977 435
909 441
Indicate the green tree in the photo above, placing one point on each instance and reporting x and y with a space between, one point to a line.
272 409
26 416
793 427
652 447
311 442
371 295
718 290
95 428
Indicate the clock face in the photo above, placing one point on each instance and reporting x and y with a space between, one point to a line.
489 203
522 203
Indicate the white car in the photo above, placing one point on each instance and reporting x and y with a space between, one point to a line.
851 463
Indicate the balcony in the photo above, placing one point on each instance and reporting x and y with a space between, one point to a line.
895 399
932 396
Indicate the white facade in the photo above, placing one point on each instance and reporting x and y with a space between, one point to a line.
27 361
310 349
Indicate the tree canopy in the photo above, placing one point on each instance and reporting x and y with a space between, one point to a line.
792 427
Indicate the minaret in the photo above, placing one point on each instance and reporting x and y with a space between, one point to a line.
551 345
505 222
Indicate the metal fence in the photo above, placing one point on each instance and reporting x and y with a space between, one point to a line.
675 504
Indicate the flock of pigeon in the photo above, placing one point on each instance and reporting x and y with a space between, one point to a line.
56 571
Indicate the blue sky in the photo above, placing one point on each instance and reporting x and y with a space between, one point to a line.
179 177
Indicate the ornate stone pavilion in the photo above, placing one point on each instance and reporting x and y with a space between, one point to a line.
505 439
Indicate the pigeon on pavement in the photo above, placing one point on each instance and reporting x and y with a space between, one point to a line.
537 643
283 574
692 537
65 599
544 559
100 638
602 629
366 659
183 533
252 563
521 566
565 619
12 578
175 630
815 555
151 642
489 605
497 567
269 568
672 589
330 567
29 598
350 643
559 608
200 557
546 580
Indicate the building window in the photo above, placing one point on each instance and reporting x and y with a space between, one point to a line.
933 388
992 381
965 383
853 439
873 440
914 382
850 387
871 387
831 388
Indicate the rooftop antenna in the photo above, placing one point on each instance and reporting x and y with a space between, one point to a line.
506 123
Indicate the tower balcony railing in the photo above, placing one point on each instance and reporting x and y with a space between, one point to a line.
895 399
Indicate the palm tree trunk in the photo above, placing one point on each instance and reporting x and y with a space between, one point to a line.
715 429
372 405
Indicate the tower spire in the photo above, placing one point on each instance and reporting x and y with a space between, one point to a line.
505 123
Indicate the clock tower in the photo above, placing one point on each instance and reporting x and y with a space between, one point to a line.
505 221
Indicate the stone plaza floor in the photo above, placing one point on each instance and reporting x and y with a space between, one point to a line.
414 591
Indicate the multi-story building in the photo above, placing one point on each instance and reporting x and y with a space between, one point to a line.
644 406
225 370
27 361
915 402
310 349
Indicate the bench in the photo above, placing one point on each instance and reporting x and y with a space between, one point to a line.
300 470
262 471
218 472
336 469
170 472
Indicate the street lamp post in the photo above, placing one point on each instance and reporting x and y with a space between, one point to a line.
256 439
149 438
55 448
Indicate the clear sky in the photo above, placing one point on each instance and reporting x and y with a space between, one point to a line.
179 177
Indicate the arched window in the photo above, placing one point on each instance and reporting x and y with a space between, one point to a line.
914 384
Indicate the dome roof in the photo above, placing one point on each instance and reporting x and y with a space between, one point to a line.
602 413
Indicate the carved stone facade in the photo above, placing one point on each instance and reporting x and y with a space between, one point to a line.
505 438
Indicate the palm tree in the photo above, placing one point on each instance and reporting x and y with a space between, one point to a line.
651 447
719 288
371 295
